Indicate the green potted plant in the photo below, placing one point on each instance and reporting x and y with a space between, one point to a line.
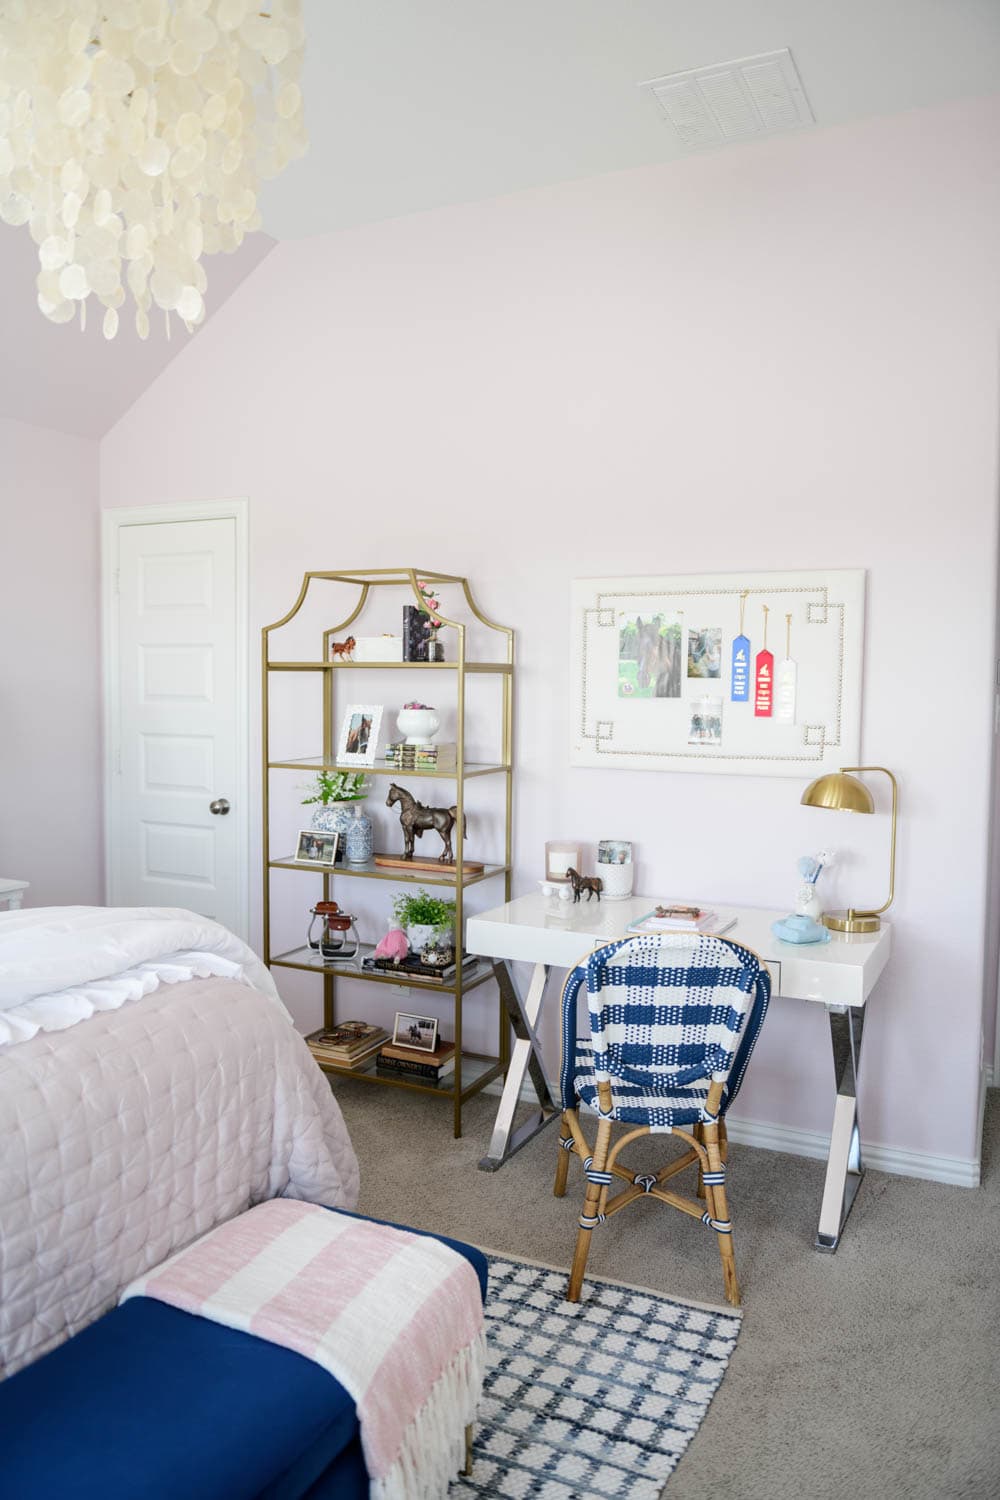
425 919
333 794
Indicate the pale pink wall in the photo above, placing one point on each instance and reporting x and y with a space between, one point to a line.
50 769
774 357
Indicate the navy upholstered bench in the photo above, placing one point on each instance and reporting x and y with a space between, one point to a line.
150 1402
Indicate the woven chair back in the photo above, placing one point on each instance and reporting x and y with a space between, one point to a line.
670 1009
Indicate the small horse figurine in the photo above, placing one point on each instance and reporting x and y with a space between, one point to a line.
343 650
416 818
592 884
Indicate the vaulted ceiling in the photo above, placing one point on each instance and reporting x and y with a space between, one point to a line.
414 104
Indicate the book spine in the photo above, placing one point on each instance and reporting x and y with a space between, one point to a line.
343 1059
412 1069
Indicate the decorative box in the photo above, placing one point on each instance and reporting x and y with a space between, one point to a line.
378 648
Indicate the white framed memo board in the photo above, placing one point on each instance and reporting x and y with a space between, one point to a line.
665 679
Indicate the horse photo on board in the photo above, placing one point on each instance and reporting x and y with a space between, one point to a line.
649 656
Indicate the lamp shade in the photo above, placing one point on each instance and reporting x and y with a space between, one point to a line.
840 791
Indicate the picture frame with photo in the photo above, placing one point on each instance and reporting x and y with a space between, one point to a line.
359 732
315 847
614 852
418 1032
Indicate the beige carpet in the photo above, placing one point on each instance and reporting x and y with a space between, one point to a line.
872 1372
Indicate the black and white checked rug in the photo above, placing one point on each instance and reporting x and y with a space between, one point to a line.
600 1398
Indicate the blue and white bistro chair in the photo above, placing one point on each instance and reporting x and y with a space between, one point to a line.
673 1021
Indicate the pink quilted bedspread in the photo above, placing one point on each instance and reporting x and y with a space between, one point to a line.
127 1137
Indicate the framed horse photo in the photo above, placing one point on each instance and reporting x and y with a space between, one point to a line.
754 674
359 733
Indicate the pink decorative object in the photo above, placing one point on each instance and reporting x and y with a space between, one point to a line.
394 945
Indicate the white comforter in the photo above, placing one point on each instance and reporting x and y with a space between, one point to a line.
127 1135
61 964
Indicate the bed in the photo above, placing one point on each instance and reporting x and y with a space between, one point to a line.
151 1086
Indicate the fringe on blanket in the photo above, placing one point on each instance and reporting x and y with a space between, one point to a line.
433 1449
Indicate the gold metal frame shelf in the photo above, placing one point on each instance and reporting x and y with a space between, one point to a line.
483 1071
371 871
472 1071
383 666
311 961
317 763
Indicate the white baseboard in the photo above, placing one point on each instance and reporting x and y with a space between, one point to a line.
990 1080
955 1170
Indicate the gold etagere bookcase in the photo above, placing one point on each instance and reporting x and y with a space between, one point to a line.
473 1071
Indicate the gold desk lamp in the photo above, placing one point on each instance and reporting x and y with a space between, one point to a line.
844 792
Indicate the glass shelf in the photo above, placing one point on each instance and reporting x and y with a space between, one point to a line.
310 960
477 1072
502 667
372 871
381 768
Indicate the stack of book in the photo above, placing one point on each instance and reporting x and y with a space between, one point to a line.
410 1062
415 967
429 757
350 1045
676 918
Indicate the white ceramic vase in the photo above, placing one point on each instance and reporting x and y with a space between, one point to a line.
807 903
419 725
617 881
422 935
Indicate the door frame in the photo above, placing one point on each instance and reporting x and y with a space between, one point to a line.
113 520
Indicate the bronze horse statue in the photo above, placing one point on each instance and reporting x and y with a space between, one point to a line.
592 884
416 818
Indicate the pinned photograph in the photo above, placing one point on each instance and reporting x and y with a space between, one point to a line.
649 656
705 652
359 734
706 722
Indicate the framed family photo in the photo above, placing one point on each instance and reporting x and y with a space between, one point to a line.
317 848
419 1032
359 733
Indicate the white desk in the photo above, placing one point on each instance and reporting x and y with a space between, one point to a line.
549 933
12 893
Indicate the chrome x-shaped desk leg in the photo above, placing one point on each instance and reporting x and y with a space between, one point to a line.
844 1169
526 1056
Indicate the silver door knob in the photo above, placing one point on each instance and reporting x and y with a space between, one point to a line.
220 805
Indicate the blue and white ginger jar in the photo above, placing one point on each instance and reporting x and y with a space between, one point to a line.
359 838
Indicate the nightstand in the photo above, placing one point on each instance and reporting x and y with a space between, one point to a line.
12 893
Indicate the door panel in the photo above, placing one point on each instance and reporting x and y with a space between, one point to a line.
178 702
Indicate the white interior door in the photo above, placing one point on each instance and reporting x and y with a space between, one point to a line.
178 816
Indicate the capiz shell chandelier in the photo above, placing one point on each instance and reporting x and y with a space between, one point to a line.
133 134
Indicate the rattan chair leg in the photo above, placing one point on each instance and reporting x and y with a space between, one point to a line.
562 1164
591 1209
467 1470
699 1135
581 1252
723 1141
721 1213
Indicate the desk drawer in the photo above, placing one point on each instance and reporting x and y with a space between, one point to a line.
773 967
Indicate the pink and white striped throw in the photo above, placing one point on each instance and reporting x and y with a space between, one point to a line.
397 1318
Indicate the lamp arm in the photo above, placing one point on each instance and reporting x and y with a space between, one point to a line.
878 910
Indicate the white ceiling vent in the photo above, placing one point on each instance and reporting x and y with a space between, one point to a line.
733 101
